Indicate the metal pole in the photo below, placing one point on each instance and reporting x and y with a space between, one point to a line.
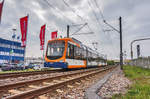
67 31
14 30
131 52
11 47
25 48
121 54
138 51
135 41
120 32
44 44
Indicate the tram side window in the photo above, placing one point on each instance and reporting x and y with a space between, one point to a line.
79 53
70 51
87 54
84 53
94 56
76 52
90 56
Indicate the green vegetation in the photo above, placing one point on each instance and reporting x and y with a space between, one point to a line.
110 62
12 71
140 89
26 70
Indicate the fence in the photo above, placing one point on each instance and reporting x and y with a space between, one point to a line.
143 62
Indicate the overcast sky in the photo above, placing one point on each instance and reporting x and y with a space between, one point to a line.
57 15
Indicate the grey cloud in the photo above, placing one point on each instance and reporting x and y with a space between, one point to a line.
135 22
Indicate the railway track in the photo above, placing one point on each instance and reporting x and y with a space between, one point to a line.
29 73
34 88
24 74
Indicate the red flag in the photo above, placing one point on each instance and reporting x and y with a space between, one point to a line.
54 35
23 26
1 8
42 37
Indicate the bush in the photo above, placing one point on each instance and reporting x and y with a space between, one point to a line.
110 62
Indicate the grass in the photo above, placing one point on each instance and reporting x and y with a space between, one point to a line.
140 89
12 71
26 70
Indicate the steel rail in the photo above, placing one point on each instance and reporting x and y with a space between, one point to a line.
23 74
23 83
39 91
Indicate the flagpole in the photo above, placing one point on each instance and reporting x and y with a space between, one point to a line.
43 51
26 40
14 30
44 44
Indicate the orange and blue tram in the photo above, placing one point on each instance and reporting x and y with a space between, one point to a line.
68 53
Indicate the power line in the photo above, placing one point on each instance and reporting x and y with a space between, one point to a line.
62 14
76 13
58 11
111 26
79 29
72 9
110 38
95 16
76 25
102 16
94 13
84 33
100 11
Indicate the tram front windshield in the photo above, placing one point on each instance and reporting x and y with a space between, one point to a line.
55 49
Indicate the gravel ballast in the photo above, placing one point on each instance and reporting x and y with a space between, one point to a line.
34 77
78 90
116 84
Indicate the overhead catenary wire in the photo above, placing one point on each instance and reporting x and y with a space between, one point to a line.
77 14
58 11
74 25
80 18
102 16
95 16
111 27
100 11
94 12
62 14
72 9
84 33
79 29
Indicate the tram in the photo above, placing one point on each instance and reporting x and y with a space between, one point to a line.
68 53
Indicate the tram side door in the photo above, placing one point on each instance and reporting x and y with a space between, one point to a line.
70 51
